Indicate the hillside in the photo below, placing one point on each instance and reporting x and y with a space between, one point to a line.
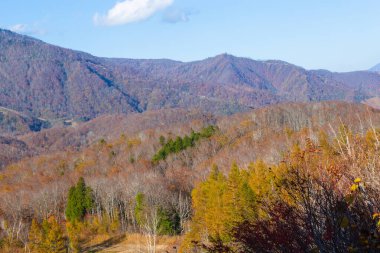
115 156
80 135
255 134
53 83
77 135
13 122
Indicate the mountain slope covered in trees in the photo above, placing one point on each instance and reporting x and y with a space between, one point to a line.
51 82
326 146
13 122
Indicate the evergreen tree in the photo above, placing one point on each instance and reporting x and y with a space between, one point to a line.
139 208
180 143
169 223
162 140
79 201
186 141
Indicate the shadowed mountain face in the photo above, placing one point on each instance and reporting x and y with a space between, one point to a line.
51 82
12 122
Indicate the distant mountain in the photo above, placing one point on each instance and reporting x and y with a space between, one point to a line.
46 81
375 68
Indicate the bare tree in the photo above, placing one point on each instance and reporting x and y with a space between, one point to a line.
182 206
149 228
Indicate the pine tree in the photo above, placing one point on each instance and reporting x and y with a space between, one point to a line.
139 208
79 201
178 145
162 140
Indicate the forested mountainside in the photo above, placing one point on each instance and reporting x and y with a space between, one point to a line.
144 180
109 127
77 135
15 123
46 81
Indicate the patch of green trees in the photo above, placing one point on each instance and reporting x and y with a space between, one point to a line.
179 144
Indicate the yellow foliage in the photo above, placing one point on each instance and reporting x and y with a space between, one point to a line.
354 187
246 123
288 132
208 219
54 241
74 230
134 142
47 238
220 203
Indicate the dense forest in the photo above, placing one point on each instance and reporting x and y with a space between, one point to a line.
289 178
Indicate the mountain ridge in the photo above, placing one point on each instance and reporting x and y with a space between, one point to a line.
52 82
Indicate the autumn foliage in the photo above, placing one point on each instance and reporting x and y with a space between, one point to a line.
235 187
323 197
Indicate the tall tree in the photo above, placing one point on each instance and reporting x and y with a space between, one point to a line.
55 242
36 237
79 201
47 238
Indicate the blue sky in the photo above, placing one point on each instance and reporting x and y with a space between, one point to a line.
339 35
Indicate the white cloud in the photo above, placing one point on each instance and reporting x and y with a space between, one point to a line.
27 29
18 28
129 11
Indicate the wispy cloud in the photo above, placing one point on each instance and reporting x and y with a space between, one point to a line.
18 28
177 15
27 29
129 11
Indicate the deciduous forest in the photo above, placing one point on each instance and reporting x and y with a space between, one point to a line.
289 178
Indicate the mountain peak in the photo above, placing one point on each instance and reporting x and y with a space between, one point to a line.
225 56
222 58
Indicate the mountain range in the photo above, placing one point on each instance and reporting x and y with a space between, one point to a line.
53 83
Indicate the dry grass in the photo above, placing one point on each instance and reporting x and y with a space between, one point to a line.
135 243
